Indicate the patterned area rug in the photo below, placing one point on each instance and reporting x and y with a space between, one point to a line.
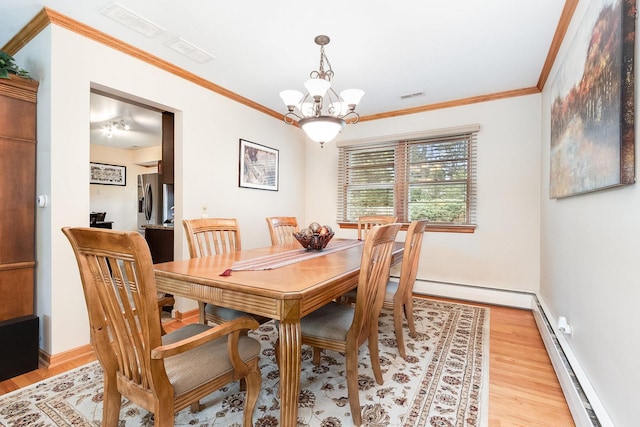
443 382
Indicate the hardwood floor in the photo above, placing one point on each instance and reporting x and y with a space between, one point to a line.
523 388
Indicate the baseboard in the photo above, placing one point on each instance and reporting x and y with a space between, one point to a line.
586 408
471 293
182 315
48 361
584 404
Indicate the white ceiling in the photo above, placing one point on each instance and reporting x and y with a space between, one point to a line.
144 125
448 50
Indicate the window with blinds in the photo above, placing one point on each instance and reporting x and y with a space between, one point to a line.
423 178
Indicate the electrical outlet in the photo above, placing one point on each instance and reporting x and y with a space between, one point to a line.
564 326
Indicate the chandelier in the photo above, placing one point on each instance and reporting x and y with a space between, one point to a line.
321 113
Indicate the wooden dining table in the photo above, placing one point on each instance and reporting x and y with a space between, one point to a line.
286 293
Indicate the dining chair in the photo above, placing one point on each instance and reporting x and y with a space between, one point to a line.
345 328
214 236
281 229
164 300
162 374
399 295
365 223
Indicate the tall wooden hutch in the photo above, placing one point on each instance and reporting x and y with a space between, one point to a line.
18 325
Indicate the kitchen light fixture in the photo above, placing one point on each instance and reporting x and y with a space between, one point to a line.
321 113
112 125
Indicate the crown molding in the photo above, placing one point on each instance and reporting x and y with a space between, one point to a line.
49 16
454 103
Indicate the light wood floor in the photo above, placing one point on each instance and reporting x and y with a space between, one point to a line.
523 388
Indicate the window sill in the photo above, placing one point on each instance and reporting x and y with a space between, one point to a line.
434 228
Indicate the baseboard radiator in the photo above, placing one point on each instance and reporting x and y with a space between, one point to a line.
584 404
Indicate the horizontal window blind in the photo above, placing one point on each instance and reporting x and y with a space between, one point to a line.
430 178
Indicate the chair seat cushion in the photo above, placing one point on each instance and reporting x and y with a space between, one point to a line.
193 368
228 314
331 321
223 312
351 295
392 288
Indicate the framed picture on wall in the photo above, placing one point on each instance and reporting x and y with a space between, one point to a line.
258 166
592 104
101 173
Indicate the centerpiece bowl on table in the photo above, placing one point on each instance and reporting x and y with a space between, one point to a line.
315 237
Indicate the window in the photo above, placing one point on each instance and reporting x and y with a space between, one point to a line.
431 176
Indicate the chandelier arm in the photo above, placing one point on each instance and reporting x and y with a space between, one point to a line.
332 98
291 118
351 117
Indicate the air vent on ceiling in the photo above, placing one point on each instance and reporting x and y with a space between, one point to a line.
132 20
189 50
412 95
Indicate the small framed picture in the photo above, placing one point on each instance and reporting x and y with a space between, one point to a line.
108 174
258 166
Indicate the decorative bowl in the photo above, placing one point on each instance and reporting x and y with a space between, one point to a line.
315 241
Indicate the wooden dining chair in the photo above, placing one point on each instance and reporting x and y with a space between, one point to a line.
399 295
365 223
214 236
164 300
281 229
345 328
162 374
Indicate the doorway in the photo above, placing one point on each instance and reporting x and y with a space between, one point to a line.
131 137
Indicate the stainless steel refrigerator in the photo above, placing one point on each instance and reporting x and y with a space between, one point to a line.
155 201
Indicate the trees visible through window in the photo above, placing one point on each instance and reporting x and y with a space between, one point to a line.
422 178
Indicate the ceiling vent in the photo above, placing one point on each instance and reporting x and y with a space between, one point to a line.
189 50
412 95
132 20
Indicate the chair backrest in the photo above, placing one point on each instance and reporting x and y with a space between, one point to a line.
374 274
119 286
212 236
365 223
281 229
411 258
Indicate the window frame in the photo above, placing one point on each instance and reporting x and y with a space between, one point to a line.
401 144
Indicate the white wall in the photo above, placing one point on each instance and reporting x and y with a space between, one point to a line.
208 127
504 250
590 270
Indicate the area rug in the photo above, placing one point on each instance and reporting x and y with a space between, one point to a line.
443 382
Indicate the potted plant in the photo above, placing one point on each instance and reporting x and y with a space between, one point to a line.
8 66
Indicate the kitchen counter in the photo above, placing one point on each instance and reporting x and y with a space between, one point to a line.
158 226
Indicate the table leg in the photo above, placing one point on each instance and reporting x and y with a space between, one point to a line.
290 355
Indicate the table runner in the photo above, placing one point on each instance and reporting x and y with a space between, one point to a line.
270 262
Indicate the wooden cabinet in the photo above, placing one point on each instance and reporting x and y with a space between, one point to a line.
167 165
160 240
17 196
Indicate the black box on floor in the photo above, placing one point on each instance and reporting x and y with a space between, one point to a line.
18 346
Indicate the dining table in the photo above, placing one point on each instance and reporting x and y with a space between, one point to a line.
283 282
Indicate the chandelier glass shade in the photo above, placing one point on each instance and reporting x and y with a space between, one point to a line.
321 112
